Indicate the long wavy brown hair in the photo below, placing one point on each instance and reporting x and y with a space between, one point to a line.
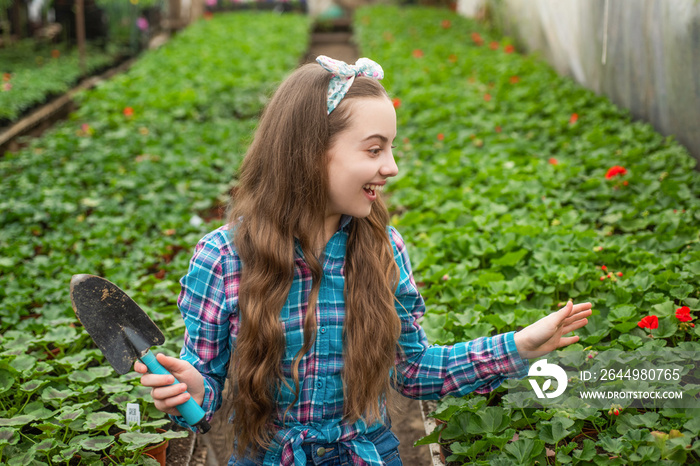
281 195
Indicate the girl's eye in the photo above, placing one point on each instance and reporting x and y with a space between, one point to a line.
375 151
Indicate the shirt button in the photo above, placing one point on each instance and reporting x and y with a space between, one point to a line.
323 329
319 384
321 451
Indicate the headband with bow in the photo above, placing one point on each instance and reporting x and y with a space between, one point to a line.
344 75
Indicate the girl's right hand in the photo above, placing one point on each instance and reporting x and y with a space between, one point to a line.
165 396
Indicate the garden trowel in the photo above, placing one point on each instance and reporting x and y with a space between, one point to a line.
123 332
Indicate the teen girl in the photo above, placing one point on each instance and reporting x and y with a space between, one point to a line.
305 299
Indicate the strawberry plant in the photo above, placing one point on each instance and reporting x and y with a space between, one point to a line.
124 188
32 74
518 190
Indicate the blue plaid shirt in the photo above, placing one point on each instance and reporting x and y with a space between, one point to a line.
209 305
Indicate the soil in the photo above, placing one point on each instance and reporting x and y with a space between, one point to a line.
407 425
335 42
180 449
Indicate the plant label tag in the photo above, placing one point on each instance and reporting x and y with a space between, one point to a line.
133 414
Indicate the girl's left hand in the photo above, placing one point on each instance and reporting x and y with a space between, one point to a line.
547 334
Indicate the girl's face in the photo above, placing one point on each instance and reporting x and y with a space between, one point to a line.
361 159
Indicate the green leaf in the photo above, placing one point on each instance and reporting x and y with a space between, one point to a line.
487 277
53 394
523 451
61 335
138 440
45 445
511 258
66 454
433 437
434 326
172 434
466 449
68 415
21 420
491 419
101 420
611 445
48 427
693 425
6 380
38 410
556 430
23 363
458 426
84 377
32 385
8 436
98 443
623 313
587 453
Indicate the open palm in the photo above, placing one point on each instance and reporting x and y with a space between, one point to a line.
547 334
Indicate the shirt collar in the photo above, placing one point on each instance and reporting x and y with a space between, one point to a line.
345 222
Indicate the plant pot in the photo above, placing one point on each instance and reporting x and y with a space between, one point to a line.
444 453
158 452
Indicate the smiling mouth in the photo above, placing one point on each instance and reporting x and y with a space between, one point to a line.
373 189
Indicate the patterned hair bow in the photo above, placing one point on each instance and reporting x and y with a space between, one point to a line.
344 75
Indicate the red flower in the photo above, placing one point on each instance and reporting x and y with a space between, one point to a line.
514 79
573 119
487 97
476 37
396 102
650 322
446 24
683 314
616 412
602 267
553 161
619 274
417 53
441 137
6 77
614 171
55 53
128 111
509 49
494 45
498 128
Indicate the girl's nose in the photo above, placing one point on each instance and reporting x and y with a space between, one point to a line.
389 167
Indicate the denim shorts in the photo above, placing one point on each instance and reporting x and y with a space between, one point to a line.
335 454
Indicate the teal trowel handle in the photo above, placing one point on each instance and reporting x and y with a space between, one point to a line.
190 410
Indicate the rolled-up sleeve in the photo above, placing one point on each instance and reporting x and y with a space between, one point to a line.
210 317
427 371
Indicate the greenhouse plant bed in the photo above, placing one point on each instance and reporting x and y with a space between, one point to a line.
117 190
518 190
